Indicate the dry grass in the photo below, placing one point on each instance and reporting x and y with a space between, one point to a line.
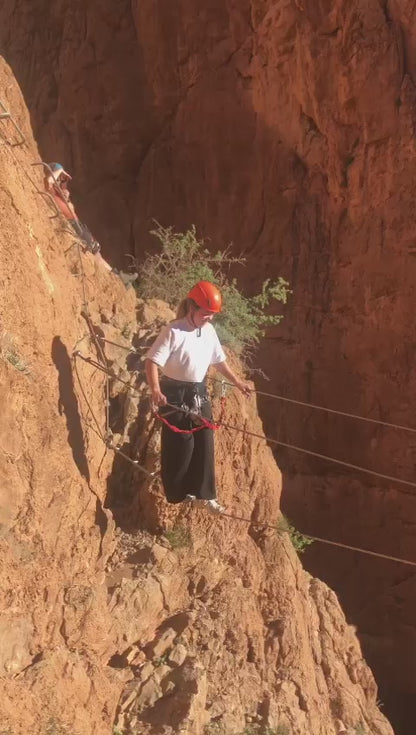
9 352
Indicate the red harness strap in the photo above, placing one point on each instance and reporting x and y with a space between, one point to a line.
205 423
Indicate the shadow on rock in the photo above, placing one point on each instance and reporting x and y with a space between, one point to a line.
68 405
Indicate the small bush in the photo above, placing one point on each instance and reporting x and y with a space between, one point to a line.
216 728
55 727
299 541
184 260
10 353
178 537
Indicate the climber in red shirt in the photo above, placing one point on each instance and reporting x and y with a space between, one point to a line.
56 184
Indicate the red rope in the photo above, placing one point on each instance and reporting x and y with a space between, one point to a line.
205 423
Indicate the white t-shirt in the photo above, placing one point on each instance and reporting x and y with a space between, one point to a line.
182 354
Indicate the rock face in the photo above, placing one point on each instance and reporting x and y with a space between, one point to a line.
181 622
288 128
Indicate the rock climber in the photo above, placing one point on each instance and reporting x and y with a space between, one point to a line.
184 350
56 184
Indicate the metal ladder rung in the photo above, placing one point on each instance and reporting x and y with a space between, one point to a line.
6 115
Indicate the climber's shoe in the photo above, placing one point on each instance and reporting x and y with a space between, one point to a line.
214 507
190 498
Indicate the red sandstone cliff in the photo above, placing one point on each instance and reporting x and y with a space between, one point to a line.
287 127
103 628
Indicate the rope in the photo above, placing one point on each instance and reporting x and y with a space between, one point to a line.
134 350
244 431
324 408
134 462
195 417
99 348
321 540
107 439
100 434
341 462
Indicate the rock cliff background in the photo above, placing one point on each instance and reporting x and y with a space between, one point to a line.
120 614
288 128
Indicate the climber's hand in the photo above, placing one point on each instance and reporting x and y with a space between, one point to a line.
158 398
244 387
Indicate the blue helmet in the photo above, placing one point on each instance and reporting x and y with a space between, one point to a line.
58 170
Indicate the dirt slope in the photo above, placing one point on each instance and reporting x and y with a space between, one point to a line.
101 627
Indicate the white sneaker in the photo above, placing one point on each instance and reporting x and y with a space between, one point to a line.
213 506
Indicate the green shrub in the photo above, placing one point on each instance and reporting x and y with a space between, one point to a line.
299 541
216 728
55 727
178 537
184 260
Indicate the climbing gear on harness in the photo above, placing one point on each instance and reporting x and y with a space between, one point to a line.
206 296
188 398
203 423
88 240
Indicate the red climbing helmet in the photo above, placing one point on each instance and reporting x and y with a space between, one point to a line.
207 296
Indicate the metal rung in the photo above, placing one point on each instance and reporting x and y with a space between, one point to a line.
51 201
6 115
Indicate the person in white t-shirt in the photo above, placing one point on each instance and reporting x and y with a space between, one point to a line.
184 350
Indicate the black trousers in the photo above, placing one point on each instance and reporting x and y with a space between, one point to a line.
188 466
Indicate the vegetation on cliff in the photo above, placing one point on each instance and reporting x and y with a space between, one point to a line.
184 260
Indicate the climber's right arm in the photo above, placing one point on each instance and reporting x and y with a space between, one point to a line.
152 375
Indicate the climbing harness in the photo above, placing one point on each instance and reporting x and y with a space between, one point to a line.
195 418
194 414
